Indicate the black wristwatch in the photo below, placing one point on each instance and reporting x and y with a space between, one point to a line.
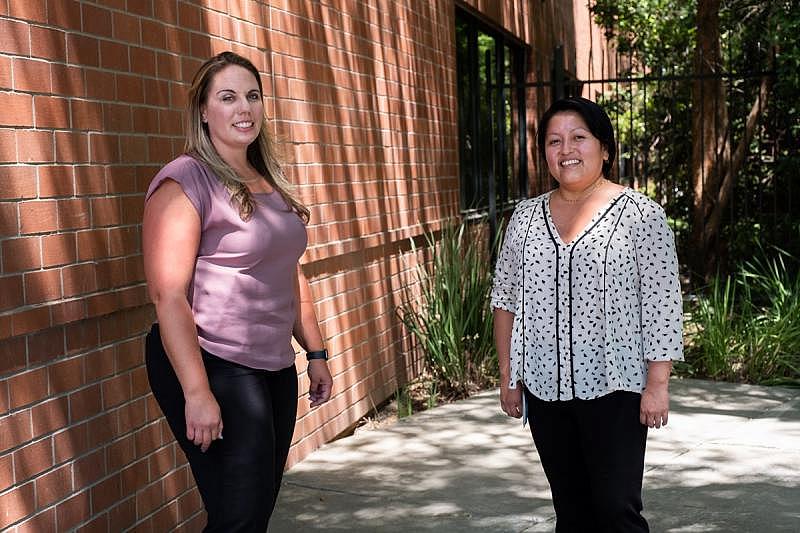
317 354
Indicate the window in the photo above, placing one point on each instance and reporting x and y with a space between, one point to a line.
491 118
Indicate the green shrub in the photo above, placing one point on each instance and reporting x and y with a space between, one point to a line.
747 326
447 310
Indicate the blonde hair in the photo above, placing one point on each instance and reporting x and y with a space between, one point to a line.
262 152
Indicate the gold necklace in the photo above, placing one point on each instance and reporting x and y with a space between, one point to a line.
585 194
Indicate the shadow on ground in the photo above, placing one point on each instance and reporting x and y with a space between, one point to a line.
728 461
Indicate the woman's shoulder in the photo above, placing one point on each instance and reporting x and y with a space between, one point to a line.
530 204
641 202
191 174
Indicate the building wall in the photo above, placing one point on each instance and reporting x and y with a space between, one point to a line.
362 93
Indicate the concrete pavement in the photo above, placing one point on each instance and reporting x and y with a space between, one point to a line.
729 461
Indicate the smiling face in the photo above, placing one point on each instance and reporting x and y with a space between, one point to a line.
574 156
233 110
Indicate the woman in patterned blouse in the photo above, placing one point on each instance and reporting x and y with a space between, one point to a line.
588 320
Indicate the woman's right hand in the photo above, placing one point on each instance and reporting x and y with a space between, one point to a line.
203 419
511 401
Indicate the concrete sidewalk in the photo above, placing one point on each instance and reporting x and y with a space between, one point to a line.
729 461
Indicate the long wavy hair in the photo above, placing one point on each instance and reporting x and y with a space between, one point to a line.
262 153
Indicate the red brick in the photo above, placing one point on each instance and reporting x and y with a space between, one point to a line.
73 214
114 56
117 117
73 511
5 69
150 498
15 430
43 346
100 84
142 8
86 115
8 153
106 493
56 180
58 249
43 522
54 486
143 61
28 387
122 515
33 459
99 364
11 294
103 148
116 390
166 518
17 109
130 88
92 244
96 21
48 43
64 14
102 430
28 9
71 147
9 219
15 37
50 416
22 254
68 80
66 375
14 356
83 50
6 471
16 504
35 146
127 28
90 180
29 321
121 452
51 112
85 403
31 75
123 241
96 525
132 416
78 279
66 312
37 216
89 469
70 443
105 211
81 335
42 286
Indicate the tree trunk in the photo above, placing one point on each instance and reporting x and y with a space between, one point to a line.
714 163
709 122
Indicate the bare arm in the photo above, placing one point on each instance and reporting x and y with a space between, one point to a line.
171 236
307 332
510 399
654 405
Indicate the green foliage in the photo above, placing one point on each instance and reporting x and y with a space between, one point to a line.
447 310
746 327
656 39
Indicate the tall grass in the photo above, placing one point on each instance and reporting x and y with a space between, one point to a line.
446 308
747 326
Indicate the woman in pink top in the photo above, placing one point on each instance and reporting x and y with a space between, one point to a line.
222 237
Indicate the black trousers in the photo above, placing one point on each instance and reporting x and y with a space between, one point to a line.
239 476
592 452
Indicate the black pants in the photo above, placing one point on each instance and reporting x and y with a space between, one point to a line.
238 476
592 452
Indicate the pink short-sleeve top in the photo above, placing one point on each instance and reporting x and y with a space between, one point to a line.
242 292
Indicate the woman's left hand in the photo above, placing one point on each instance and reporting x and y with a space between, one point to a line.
319 391
654 406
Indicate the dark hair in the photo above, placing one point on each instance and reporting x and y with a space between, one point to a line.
596 120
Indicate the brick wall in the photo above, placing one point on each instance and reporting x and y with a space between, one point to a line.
91 93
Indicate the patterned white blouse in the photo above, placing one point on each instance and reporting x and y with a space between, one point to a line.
588 315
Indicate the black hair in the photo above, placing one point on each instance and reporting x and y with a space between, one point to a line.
596 120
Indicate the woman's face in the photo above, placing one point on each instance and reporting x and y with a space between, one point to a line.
233 109
574 156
